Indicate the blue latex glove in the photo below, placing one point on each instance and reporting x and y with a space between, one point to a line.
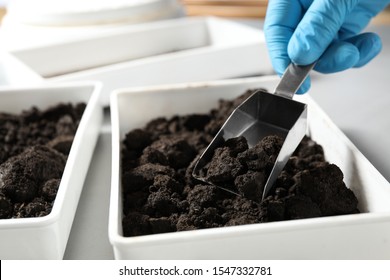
303 31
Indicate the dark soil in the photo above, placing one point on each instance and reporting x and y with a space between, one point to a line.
34 146
161 195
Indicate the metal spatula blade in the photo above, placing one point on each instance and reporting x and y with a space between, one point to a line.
264 114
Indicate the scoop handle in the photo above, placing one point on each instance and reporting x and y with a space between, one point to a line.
292 79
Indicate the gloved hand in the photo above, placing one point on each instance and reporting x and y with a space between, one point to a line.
303 31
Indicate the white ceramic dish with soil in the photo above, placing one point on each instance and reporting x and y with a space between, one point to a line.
46 237
162 52
357 236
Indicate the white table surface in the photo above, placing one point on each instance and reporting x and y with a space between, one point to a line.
357 100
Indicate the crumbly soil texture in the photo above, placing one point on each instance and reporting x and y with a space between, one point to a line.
34 146
161 195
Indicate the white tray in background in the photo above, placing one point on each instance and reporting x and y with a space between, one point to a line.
359 236
179 50
89 12
46 237
14 72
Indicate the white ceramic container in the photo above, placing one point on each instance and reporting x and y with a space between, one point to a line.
46 237
161 52
360 236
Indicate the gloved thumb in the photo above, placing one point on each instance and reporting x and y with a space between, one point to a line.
317 29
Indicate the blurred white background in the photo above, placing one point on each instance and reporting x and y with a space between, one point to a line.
33 23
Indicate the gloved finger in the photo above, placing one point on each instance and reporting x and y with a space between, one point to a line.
280 22
355 23
339 56
369 46
317 29
360 16
277 41
353 52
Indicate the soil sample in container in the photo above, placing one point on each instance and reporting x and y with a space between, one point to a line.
34 147
160 194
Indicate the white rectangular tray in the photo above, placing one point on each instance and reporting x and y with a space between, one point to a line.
46 237
15 72
162 52
360 236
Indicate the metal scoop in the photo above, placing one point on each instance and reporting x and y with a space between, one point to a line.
264 114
